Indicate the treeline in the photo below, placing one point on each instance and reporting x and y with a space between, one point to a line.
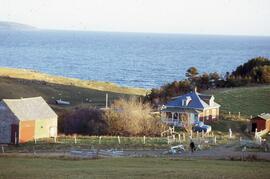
256 70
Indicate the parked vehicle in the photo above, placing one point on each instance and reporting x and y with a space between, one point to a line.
200 126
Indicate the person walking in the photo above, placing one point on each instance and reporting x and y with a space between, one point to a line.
192 146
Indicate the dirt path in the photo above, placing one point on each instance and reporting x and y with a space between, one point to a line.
228 151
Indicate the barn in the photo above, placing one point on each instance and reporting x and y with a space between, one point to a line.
260 122
26 119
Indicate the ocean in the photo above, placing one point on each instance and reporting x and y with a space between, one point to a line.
128 59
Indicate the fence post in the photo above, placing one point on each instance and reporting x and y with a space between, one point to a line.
229 114
75 139
260 140
184 137
35 140
215 140
239 114
55 139
34 151
99 141
119 142
168 140
3 150
143 139
230 133
179 137
256 133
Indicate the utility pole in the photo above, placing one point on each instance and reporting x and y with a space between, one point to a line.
106 100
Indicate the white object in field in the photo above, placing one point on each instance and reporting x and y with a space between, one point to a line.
176 148
60 101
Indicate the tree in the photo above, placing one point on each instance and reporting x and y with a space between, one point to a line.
261 74
191 73
265 74
251 68
214 76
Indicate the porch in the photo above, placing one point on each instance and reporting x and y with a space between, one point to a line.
178 118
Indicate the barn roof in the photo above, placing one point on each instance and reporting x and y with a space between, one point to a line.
197 101
30 108
265 116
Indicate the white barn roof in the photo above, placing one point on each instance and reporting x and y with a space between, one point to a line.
30 108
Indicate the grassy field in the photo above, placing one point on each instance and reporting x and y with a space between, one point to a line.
97 85
78 96
66 143
15 167
247 100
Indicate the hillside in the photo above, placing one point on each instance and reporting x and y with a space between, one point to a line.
16 83
247 100
7 26
42 77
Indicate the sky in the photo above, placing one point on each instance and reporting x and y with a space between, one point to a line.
227 17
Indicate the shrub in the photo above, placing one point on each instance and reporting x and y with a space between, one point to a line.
132 117
84 121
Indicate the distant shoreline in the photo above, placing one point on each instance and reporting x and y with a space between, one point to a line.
15 26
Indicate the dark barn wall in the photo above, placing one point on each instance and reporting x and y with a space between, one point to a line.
260 123
7 118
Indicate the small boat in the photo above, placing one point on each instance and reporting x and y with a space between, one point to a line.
60 101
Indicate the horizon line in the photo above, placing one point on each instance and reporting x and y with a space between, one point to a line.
137 32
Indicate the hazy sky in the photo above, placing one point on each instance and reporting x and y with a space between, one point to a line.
238 17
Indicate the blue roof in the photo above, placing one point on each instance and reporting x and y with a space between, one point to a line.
195 101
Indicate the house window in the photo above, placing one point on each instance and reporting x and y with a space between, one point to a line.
168 115
175 116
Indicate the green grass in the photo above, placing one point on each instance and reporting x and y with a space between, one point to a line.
15 167
225 125
87 142
246 100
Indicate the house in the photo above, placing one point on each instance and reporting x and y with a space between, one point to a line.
25 119
192 107
260 122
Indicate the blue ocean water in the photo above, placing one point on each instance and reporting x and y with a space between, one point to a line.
128 59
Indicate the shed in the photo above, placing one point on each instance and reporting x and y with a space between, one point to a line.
26 119
260 122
